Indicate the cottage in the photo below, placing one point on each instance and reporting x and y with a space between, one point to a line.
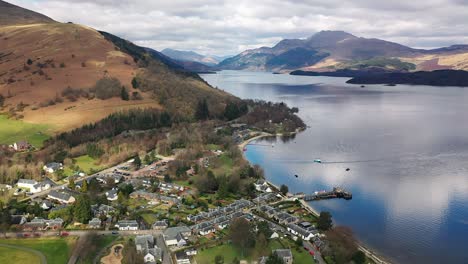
95 223
207 230
285 255
46 205
62 197
102 209
176 236
53 167
18 219
125 225
21 146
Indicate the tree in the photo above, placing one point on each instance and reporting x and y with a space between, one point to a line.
284 189
71 183
147 159
219 259
135 83
29 62
261 244
84 186
324 221
299 242
82 209
223 190
202 112
274 259
137 162
241 234
264 228
124 94
359 257
2 100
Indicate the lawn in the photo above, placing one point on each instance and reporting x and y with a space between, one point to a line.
16 130
86 163
229 252
149 218
10 255
224 166
56 250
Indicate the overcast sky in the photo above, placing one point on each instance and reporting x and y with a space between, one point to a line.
227 27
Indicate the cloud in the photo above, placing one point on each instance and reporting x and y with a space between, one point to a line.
229 26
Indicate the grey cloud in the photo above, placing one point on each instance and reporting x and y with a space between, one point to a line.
229 26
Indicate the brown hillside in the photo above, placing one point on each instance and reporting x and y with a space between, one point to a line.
14 15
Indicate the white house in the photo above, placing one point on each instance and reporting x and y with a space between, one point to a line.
274 235
176 236
53 167
62 197
300 232
112 195
262 186
33 185
125 225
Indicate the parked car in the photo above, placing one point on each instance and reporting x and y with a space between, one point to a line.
115 232
65 234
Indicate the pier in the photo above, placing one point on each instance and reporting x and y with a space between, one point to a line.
337 192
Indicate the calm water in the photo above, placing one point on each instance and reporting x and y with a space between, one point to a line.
406 146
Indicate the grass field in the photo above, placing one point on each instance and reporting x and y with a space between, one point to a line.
149 218
16 130
56 250
10 255
230 252
87 163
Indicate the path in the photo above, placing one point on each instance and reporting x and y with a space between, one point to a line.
30 250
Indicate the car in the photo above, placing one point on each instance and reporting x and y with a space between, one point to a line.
26 235
311 253
115 232
37 234
65 234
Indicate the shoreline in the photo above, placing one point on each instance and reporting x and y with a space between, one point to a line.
377 258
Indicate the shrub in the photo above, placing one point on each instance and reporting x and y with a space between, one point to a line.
106 88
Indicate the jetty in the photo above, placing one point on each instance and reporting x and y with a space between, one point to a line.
337 192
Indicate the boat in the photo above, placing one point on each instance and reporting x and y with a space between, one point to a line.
295 175
348 169
317 160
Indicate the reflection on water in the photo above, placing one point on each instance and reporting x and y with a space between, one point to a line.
406 147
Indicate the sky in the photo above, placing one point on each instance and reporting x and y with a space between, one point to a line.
228 27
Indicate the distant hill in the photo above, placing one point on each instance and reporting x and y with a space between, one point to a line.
190 56
47 69
434 78
328 51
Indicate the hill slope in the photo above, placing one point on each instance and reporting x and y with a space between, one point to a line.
338 50
40 60
191 56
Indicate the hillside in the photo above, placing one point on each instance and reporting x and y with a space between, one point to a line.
337 50
47 69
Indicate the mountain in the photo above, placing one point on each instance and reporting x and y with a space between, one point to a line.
50 73
191 56
338 50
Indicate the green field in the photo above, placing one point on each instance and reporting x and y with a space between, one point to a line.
56 250
16 130
229 252
10 255
86 163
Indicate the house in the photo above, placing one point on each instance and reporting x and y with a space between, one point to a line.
176 236
146 246
46 205
300 232
62 197
102 209
160 225
285 255
53 167
42 224
274 235
207 230
18 219
125 225
191 252
262 186
33 186
21 146
182 258
112 195
95 223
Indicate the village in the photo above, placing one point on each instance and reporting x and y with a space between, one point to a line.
169 220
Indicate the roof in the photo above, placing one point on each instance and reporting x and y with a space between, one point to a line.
132 223
283 253
27 181
172 232
53 165
59 195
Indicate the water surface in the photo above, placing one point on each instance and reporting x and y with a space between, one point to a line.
406 146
